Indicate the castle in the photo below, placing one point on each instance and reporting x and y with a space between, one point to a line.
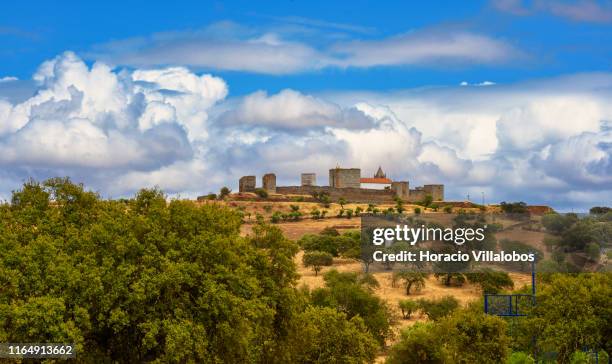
347 183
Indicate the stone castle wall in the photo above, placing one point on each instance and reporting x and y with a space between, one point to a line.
362 195
419 194
345 183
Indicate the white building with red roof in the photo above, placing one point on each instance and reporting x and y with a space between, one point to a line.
378 182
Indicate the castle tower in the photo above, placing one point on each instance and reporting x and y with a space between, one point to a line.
268 182
246 184
345 177
436 191
401 189
309 179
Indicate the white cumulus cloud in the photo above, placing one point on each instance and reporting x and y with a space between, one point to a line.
544 141
101 123
294 110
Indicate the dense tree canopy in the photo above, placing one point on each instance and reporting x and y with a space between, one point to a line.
579 242
348 294
146 280
466 336
572 312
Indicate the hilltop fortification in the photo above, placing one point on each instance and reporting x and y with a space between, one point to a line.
347 183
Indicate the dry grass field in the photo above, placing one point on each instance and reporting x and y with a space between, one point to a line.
433 288
267 207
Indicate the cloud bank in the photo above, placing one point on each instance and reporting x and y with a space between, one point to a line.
547 141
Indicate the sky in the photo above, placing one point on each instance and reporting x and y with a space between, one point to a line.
508 98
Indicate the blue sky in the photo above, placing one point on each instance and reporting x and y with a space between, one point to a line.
506 97
32 32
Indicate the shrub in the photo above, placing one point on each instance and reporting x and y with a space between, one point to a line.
325 335
558 223
408 307
349 244
449 279
514 207
491 281
520 248
276 217
463 337
550 243
436 309
323 243
329 231
399 205
474 337
321 197
607 217
411 280
599 210
593 251
344 292
317 260
519 357
417 210
368 280
448 209
261 192
426 201
224 192
580 357
418 344
329 240
295 215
